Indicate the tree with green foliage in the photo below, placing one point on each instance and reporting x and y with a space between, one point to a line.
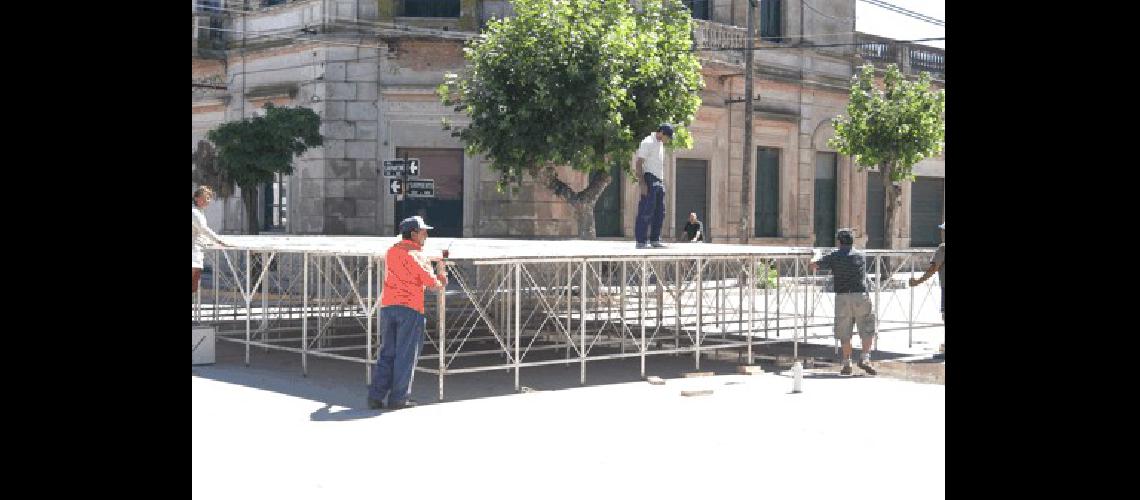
579 83
251 151
892 128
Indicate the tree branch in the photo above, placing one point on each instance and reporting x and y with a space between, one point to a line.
597 184
549 178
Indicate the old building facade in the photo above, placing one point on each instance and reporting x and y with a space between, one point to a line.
370 69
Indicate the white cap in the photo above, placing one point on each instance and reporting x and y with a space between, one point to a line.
414 222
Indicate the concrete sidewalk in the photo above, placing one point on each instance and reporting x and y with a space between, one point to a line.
265 431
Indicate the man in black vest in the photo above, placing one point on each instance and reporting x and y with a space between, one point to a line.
852 303
694 229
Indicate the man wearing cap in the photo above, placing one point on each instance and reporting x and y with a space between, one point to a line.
650 171
402 318
852 304
937 264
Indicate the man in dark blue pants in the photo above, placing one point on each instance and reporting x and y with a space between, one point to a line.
402 318
650 171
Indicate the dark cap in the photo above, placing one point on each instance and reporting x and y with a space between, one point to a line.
845 236
413 223
666 129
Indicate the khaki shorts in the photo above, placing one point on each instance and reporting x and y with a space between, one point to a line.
852 309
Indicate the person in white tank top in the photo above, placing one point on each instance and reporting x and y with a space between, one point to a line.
201 234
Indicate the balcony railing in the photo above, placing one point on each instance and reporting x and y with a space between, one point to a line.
708 34
923 59
911 58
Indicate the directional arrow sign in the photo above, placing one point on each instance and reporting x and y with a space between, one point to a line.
421 188
394 187
396 168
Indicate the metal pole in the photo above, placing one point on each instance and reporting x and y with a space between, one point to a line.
779 312
265 299
603 277
442 301
320 300
677 331
247 297
304 314
214 278
659 294
382 269
623 326
505 307
641 307
910 312
721 298
700 312
741 282
878 286
569 305
808 316
198 302
767 266
369 306
795 309
518 320
751 303
582 323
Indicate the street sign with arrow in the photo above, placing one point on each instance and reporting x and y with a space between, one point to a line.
398 168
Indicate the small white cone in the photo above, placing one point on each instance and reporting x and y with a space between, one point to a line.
797 377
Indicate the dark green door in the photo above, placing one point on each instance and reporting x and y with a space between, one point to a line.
925 211
767 203
825 193
607 211
692 195
875 211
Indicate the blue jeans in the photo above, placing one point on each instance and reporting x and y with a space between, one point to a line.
650 211
402 331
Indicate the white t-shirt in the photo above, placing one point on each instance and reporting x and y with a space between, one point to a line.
199 234
653 151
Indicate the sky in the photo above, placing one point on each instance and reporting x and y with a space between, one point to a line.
879 21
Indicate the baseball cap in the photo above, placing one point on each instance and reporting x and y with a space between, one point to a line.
414 222
666 129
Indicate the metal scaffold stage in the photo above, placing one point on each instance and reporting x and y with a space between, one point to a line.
514 304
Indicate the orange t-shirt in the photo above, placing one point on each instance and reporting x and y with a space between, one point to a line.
409 271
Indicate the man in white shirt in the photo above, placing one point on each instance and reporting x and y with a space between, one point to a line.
650 172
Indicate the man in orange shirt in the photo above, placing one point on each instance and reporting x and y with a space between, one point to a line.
402 318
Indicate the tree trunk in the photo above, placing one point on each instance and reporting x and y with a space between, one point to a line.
249 199
585 214
581 201
892 229
892 204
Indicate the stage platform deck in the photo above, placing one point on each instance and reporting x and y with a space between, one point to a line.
489 249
